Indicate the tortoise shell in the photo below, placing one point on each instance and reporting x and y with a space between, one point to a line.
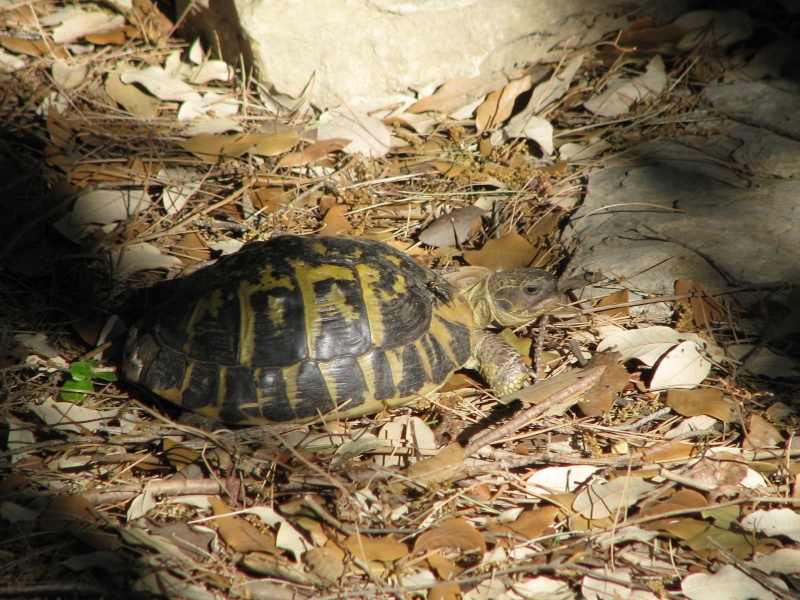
297 327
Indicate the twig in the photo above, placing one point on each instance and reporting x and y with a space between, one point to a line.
533 413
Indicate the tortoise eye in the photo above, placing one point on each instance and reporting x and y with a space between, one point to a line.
531 289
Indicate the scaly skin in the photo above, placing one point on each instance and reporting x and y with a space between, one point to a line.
507 299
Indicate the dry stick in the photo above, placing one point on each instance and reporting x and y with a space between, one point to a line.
534 412
168 487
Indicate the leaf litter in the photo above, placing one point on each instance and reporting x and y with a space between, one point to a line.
654 473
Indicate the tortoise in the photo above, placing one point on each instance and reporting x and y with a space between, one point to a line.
295 328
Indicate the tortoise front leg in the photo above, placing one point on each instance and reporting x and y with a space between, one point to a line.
500 365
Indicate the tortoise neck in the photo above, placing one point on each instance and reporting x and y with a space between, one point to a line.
478 296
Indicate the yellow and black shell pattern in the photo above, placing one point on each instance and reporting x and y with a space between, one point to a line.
297 327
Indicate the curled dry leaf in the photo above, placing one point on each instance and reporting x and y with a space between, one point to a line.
81 23
458 93
498 105
143 257
701 309
454 228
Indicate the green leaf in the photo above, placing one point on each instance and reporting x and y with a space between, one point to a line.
80 387
81 371
105 375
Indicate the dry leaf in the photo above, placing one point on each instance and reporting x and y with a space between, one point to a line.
762 434
32 47
603 500
238 533
314 152
130 97
459 92
368 135
729 583
778 521
325 564
702 310
335 221
454 228
533 523
622 93
512 251
707 401
143 257
498 105
615 299
442 467
555 480
600 397
161 84
682 367
80 23
452 533
383 549
213 148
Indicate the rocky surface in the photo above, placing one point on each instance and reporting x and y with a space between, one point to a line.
381 49
721 207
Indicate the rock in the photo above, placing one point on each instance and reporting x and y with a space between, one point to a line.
381 48
720 203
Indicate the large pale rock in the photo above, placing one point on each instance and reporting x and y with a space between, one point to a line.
374 49
721 209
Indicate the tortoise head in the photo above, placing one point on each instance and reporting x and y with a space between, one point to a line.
514 297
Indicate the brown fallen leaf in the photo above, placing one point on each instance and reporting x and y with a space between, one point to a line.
704 401
438 468
599 399
32 47
452 533
762 434
325 564
383 549
240 534
620 312
512 251
499 104
312 153
459 92
533 523
335 221
697 312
